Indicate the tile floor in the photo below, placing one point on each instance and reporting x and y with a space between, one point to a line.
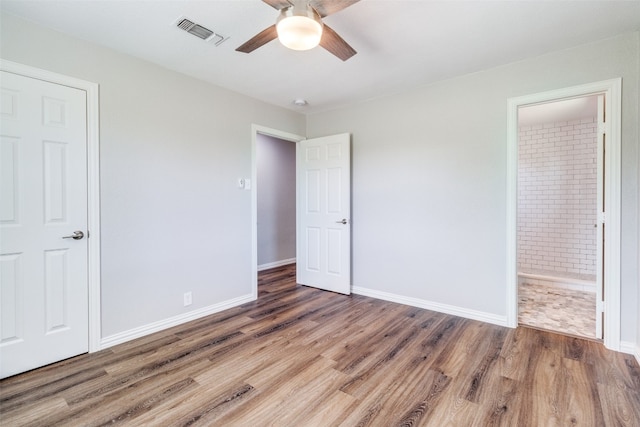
556 309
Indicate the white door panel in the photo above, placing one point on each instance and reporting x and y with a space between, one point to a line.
600 224
324 213
44 288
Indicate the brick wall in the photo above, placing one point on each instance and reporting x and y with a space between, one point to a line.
557 198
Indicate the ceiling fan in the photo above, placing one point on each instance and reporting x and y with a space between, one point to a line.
300 27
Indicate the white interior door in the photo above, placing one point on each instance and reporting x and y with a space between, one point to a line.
324 213
43 192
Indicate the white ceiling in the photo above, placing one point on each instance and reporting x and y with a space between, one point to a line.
559 111
401 43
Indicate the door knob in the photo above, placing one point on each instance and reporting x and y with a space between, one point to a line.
343 221
77 235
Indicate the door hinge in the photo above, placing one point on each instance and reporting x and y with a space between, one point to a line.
600 306
602 217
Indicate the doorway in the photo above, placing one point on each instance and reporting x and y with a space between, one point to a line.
559 185
323 209
276 201
271 139
608 216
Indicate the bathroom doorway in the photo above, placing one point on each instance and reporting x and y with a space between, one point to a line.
609 211
560 185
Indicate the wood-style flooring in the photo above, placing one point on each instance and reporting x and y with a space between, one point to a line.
299 356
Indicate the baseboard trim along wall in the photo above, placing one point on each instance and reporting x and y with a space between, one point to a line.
275 264
434 306
557 282
625 346
170 322
630 348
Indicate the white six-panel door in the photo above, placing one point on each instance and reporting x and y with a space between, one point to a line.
43 199
324 213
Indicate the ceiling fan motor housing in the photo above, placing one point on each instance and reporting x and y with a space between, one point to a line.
299 27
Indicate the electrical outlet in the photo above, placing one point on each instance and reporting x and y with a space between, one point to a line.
187 299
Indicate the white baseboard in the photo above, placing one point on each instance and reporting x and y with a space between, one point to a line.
141 331
269 265
629 348
434 306
558 282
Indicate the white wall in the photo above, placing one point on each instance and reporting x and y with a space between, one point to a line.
276 199
172 149
429 178
638 230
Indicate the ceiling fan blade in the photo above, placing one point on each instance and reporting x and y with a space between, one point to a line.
278 4
327 7
259 40
335 44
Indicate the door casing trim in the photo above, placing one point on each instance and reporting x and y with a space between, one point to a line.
93 182
611 274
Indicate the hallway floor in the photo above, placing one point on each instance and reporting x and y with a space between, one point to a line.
556 309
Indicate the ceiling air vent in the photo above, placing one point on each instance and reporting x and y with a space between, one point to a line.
199 31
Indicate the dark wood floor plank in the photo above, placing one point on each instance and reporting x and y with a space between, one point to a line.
330 413
584 399
515 350
198 407
324 388
116 403
366 352
301 356
618 407
278 384
398 402
33 412
502 408
452 411
50 390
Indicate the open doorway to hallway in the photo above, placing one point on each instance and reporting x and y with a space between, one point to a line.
276 201
322 210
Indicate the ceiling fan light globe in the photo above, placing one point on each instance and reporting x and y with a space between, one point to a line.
299 32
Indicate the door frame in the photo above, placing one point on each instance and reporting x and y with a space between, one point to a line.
611 272
263 130
93 183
